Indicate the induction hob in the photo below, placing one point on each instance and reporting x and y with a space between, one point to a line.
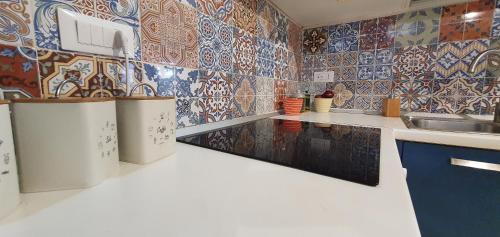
345 152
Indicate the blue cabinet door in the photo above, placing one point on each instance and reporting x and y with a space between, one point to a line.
400 145
449 200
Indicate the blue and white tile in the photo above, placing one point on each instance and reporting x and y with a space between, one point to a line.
366 58
351 29
335 32
384 56
343 45
45 21
161 77
344 30
383 72
215 43
124 9
187 83
336 45
366 72
351 44
188 112
265 49
265 68
495 31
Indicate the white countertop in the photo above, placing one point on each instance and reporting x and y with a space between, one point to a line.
200 192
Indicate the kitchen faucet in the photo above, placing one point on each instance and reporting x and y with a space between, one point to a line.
473 68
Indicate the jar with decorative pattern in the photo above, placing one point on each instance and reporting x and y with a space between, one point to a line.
146 128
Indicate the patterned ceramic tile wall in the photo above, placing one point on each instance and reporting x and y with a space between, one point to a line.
220 59
19 71
169 40
420 56
17 26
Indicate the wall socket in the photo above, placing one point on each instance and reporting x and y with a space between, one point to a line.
324 76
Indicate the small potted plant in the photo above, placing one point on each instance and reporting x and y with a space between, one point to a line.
323 102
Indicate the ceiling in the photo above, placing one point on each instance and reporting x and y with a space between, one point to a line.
312 13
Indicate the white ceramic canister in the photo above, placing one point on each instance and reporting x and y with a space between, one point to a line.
146 128
76 142
9 182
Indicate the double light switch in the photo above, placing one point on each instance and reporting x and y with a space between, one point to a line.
88 34
92 34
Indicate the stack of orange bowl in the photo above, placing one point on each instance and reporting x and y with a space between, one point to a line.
292 126
293 106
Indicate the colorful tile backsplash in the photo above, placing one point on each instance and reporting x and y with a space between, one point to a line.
211 55
234 58
421 56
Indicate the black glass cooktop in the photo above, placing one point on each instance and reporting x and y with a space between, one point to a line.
344 152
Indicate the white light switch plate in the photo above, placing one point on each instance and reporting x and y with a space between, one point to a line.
84 35
331 76
96 35
99 34
322 77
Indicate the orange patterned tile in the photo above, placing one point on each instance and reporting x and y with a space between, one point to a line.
453 14
480 9
169 34
294 37
16 27
467 21
453 32
245 16
477 29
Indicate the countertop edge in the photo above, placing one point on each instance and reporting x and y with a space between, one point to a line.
469 140
71 100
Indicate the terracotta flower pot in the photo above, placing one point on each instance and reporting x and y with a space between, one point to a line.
293 106
322 105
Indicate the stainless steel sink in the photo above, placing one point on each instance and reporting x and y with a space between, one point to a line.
452 125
